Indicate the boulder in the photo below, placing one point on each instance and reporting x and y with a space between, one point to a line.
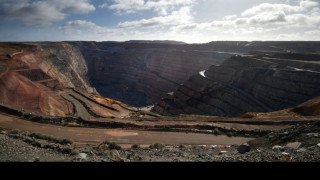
244 148
294 145
302 150
103 148
82 156
277 147
115 156
313 135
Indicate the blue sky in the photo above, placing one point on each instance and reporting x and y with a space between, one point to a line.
191 21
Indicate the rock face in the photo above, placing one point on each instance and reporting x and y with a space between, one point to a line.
29 82
258 82
140 74
67 62
47 78
309 108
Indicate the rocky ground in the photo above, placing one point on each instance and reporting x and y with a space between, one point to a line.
298 144
15 150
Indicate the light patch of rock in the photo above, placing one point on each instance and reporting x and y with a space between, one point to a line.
294 145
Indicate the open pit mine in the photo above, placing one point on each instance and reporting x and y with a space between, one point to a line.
224 101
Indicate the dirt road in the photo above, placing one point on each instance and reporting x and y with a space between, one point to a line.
97 135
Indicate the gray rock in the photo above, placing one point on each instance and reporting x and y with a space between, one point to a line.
258 150
285 153
115 156
313 134
277 147
202 153
222 152
82 156
318 144
244 148
294 145
301 150
184 154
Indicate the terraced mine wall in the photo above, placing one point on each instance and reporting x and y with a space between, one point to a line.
33 74
140 74
68 62
242 84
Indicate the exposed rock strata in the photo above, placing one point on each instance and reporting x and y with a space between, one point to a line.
67 62
23 84
242 84
140 74
39 79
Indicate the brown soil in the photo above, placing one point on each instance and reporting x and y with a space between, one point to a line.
95 135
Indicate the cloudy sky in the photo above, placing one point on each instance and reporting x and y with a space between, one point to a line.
191 21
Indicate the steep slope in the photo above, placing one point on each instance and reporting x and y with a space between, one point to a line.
141 73
26 83
246 83
273 76
35 80
67 62
309 108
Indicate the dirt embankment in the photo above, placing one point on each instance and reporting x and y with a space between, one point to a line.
299 144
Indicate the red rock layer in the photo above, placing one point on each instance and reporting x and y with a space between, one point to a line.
25 82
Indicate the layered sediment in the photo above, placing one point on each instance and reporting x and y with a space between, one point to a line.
246 83
68 63
29 83
140 74
50 79
217 78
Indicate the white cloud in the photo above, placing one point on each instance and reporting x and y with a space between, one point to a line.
265 21
264 15
304 20
71 27
312 35
42 13
230 17
267 8
294 21
162 7
308 4
182 16
173 20
314 32
104 5
73 6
